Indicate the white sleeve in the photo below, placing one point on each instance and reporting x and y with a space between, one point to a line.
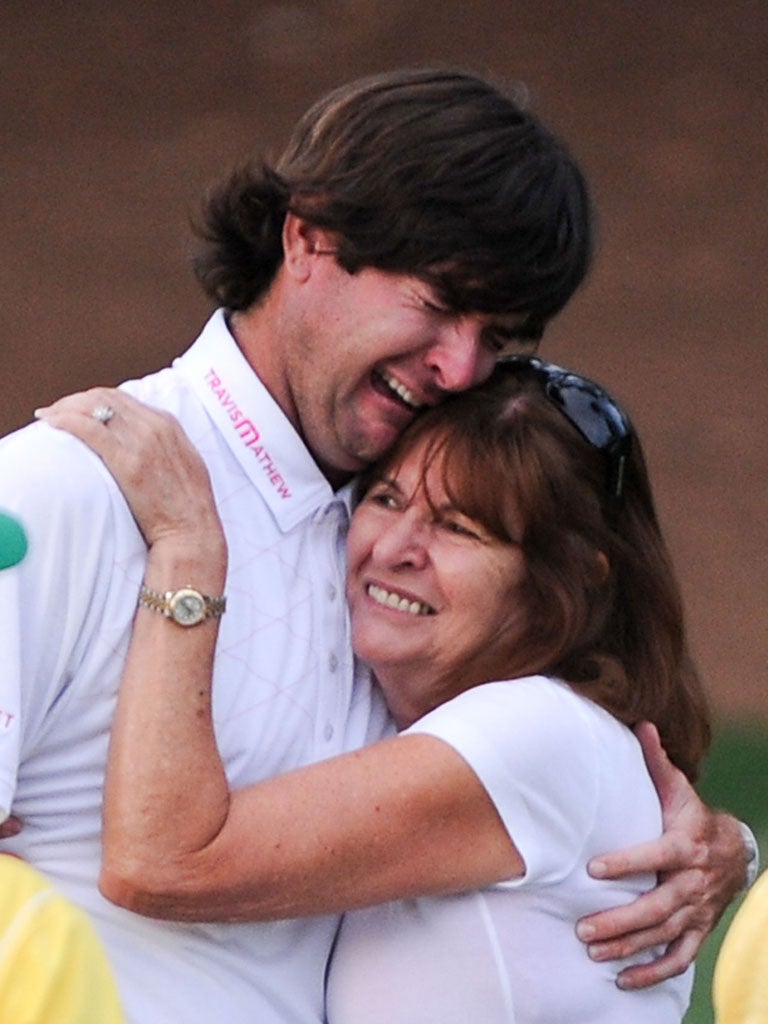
530 743
59 492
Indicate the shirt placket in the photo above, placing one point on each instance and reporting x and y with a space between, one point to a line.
334 697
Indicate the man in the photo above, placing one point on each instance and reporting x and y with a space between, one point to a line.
418 225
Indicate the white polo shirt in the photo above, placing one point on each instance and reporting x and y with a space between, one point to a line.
568 781
283 690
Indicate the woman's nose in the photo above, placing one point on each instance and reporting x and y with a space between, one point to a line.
404 542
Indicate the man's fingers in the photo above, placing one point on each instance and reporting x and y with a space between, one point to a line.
652 910
679 956
10 827
660 768
628 944
673 854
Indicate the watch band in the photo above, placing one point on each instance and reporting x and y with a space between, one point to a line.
187 605
753 854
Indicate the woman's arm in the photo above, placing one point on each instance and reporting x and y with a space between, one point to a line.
403 817
179 845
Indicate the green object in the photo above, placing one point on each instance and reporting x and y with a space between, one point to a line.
13 541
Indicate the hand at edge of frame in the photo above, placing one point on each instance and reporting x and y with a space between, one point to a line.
701 862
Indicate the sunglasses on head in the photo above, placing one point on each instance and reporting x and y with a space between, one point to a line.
590 409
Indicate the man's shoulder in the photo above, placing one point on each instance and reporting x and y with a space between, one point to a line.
164 388
38 451
50 478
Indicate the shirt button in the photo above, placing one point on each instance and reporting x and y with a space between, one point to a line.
333 663
332 592
328 732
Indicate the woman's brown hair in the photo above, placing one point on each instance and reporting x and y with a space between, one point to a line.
604 610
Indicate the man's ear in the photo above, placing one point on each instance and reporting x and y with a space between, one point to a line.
603 567
302 242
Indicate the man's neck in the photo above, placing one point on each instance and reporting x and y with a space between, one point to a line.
255 337
254 332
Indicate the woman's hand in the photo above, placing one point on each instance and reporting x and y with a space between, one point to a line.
161 475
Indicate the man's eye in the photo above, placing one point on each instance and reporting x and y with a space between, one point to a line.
508 340
497 342
434 305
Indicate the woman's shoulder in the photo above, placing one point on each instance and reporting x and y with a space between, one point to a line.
531 725
527 699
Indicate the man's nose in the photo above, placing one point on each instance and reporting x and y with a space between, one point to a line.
459 359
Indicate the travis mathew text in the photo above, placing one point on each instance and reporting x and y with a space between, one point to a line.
248 433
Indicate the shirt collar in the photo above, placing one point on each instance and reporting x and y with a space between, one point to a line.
256 429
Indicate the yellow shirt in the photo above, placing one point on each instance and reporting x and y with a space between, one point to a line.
740 983
52 967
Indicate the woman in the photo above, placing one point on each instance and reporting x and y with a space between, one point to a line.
509 587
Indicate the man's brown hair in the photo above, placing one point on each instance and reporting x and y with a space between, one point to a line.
440 174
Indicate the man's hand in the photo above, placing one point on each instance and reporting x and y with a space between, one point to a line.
10 827
701 862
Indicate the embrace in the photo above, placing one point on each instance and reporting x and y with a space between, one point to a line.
466 788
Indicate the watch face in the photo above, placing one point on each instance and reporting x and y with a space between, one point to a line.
187 607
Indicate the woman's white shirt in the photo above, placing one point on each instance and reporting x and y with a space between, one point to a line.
569 782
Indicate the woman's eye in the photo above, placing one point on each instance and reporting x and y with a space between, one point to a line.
384 499
461 528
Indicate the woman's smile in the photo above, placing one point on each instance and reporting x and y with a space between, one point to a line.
398 602
432 593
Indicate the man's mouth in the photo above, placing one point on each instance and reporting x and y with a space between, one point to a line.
399 602
396 388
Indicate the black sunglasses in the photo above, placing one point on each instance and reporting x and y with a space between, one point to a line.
590 409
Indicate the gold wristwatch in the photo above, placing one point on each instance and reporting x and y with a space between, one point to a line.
186 606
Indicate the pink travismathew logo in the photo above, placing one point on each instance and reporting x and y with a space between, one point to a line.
248 433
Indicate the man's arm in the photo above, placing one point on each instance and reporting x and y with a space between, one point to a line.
61 498
701 860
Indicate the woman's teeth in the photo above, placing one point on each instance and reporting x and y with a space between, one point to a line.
401 604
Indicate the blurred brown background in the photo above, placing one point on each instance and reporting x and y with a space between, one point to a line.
114 117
